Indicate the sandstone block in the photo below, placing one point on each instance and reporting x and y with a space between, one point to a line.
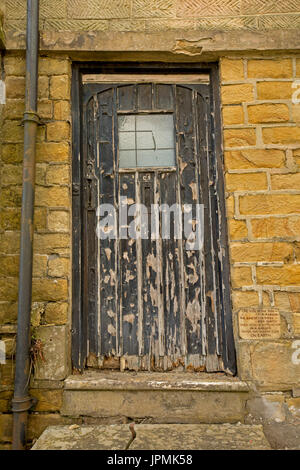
232 70
59 221
55 347
272 227
270 68
49 290
233 115
268 113
53 152
254 158
58 131
237 229
246 182
274 90
281 135
239 137
236 94
255 252
287 275
56 313
52 196
241 276
270 204
60 87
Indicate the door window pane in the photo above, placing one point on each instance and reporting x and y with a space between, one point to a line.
146 140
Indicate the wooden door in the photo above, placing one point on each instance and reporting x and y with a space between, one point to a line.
151 302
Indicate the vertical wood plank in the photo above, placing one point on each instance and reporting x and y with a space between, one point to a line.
128 273
171 279
189 195
108 246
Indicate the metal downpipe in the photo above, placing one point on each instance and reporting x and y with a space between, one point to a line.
21 402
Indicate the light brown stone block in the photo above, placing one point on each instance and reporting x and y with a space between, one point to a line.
49 290
56 313
241 276
239 137
9 242
272 227
255 252
270 204
233 115
55 348
53 152
59 267
58 131
40 265
51 66
8 289
59 221
12 153
272 364
274 90
8 312
246 181
296 324
48 243
270 68
14 109
153 8
230 206
232 70
281 135
286 181
287 275
242 299
254 158
15 87
43 87
237 229
268 113
236 94
12 132
45 109
287 301
11 196
58 174
60 87
47 400
15 65
62 110
52 196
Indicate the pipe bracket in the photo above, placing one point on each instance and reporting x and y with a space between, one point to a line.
19 405
31 116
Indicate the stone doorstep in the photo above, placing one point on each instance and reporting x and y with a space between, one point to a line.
156 397
103 380
154 437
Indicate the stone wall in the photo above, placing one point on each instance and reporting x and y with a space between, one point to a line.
52 242
261 152
158 15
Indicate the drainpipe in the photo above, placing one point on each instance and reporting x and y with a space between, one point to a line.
22 402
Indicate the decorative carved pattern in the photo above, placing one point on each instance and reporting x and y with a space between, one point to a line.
154 8
258 7
97 9
201 8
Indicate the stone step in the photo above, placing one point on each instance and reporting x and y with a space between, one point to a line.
154 437
156 398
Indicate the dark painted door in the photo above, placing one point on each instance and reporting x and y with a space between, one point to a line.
153 300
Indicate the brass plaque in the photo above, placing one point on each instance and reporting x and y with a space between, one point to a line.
259 323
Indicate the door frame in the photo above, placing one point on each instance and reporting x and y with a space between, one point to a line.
79 318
